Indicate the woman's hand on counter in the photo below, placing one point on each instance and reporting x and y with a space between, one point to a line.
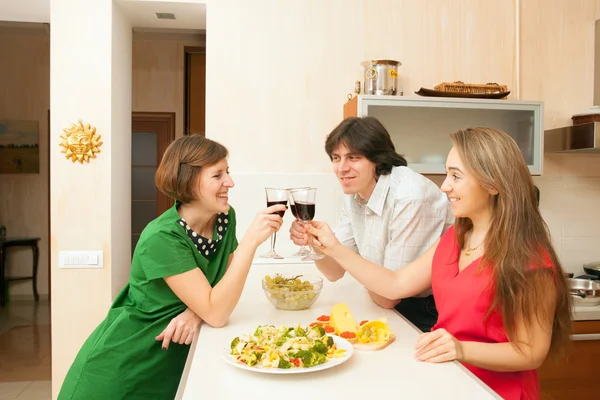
438 346
181 329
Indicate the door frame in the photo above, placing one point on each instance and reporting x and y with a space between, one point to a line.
147 121
188 51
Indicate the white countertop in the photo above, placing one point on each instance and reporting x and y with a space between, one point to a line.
392 370
582 313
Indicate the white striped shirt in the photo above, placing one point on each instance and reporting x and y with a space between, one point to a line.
404 216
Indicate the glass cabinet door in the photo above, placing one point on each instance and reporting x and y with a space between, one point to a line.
420 128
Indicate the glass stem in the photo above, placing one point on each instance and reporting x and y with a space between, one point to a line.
273 240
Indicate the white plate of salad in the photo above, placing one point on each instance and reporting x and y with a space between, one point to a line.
287 350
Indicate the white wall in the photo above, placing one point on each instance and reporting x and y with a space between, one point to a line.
279 74
120 140
90 77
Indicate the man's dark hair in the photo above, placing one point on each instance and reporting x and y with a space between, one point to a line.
368 137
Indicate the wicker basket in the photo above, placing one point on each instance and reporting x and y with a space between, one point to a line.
584 119
461 87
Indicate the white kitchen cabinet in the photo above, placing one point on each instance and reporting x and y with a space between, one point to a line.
419 126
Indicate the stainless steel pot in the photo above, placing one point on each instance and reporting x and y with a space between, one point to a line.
381 76
588 287
584 292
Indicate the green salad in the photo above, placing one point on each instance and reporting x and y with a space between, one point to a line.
285 347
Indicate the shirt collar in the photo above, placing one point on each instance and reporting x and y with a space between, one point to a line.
377 199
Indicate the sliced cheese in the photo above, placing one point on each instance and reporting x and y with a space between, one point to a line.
377 331
341 319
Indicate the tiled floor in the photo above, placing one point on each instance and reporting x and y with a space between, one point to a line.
40 390
25 361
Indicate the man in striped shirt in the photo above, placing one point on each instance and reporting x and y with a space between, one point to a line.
391 214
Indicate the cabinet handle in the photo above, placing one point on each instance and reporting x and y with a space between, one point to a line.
585 336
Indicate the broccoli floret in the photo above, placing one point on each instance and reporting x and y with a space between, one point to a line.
284 364
311 358
328 340
319 347
234 344
306 357
319 329
318 358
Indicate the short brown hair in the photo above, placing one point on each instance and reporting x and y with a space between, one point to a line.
178 171
368 137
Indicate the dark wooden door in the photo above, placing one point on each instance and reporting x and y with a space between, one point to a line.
151 133
195 91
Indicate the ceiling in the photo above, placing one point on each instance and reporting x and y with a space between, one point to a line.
25 11
189 15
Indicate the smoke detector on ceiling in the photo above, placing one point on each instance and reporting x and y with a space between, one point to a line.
165 15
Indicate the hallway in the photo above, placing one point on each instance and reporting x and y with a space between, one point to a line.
25 359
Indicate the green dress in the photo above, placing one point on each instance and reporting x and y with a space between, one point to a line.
122 359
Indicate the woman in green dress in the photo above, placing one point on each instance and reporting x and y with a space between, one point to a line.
184 270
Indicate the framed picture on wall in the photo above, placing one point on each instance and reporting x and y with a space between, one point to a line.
19 147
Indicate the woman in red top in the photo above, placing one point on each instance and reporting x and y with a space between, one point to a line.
499 288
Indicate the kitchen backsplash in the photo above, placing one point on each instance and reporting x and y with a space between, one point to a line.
570 205
569 202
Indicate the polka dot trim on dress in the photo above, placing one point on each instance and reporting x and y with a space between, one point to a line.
207 247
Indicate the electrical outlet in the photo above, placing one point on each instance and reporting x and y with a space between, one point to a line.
80 259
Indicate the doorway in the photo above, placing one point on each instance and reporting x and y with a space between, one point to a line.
151 133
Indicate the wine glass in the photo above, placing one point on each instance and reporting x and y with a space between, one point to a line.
275 196
304 200
303 250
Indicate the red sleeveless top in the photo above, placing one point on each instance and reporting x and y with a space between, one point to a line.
462 300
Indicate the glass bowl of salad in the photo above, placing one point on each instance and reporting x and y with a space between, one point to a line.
297 292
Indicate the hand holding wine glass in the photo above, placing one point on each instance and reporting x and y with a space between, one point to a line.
298 233
322 237
275 197
266 222
297 230
304 200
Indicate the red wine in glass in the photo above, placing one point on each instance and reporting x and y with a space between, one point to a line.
303 250
274 203
274 197
304 200
294 211
306 211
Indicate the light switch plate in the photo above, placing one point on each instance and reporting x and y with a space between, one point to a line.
80 259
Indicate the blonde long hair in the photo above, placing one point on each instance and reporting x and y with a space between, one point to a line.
517 244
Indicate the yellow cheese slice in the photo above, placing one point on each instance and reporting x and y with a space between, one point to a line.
341 319
377 331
